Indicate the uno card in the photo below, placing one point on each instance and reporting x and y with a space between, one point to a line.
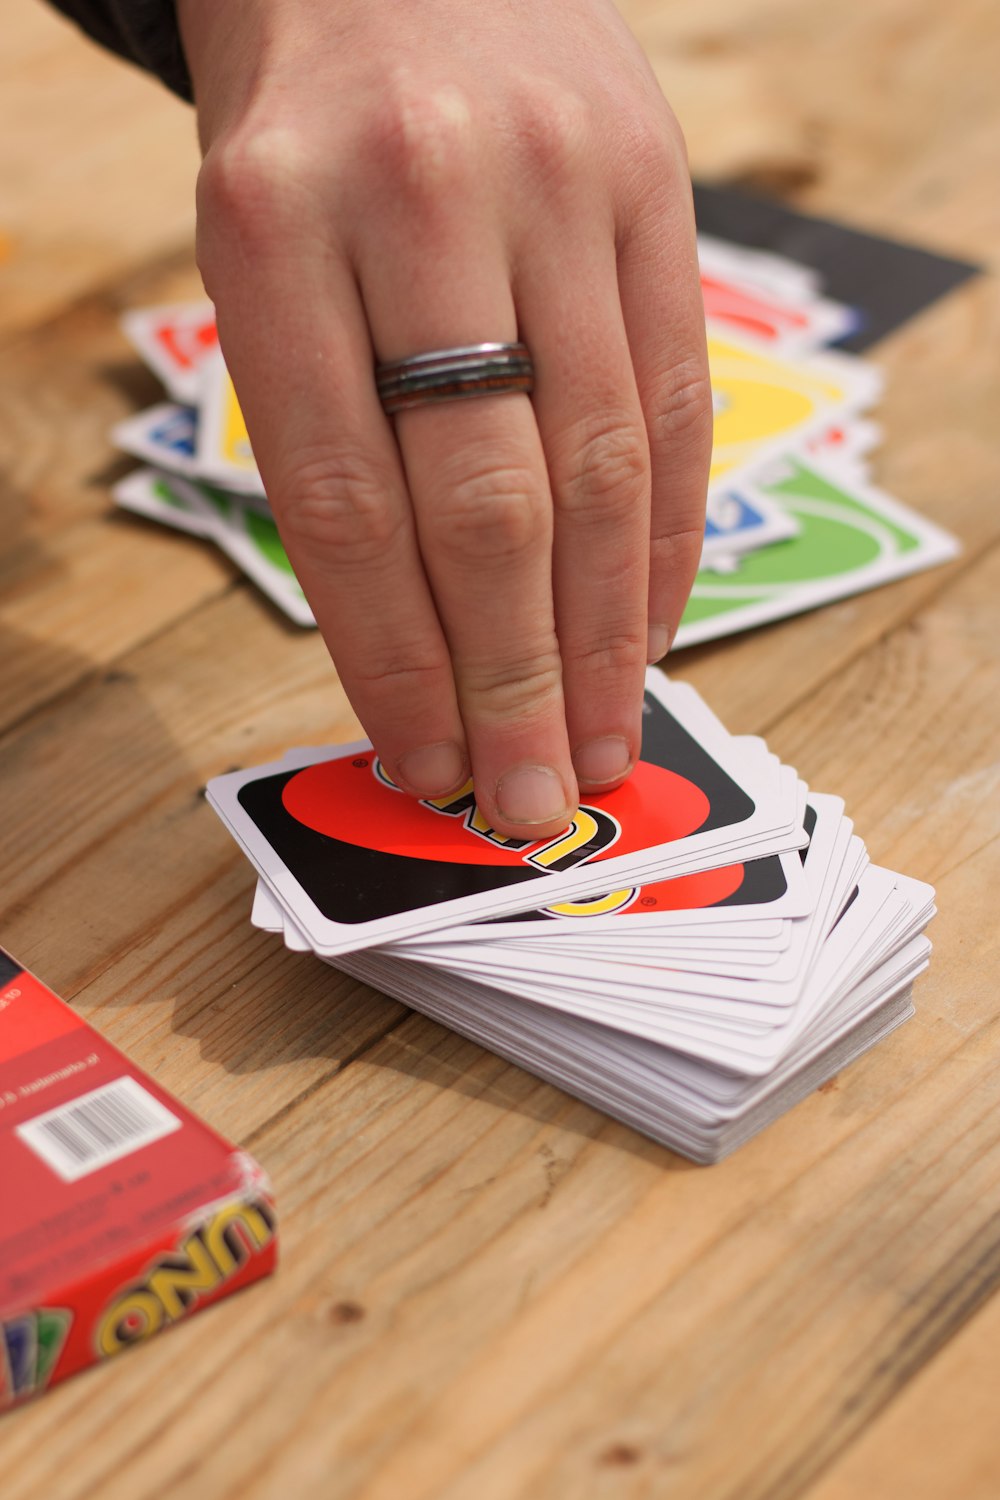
247 536
223 450
763 270
710 1013
174 341
159 497
793 327
888 282
764 404
250 538
750 890
846 446
163 435
734 523
851 537
356 862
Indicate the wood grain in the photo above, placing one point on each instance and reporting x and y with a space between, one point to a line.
939 1436
98 170
489 1289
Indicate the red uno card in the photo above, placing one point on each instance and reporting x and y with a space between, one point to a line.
175 341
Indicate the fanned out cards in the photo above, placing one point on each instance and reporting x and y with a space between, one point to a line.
698 951
793 521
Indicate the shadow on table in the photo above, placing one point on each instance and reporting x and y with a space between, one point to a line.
281 1008
85 764
428 1052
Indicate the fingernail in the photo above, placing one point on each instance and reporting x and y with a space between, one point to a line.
532 794
658 642
602 760
433 769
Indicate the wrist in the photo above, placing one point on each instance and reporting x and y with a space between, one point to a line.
227 44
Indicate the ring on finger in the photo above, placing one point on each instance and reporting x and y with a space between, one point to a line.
458 374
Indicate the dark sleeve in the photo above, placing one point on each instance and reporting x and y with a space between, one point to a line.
144 31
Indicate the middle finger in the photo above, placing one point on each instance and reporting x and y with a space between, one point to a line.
477 476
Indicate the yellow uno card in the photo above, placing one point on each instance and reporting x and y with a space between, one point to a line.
224 454
765 405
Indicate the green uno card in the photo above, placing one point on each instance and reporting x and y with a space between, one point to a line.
851 537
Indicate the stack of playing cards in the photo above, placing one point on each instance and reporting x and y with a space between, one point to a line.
699 949
792 519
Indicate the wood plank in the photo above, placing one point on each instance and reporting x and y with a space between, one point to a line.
80 583
474 1213
99 167
939 1435
122 760
772 95
489 1289
94 589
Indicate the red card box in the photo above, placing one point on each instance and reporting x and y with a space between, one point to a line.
120 1212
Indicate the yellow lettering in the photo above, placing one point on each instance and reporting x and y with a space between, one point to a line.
590 832
176 1285
137 1315
239 1224
597 906
454 803
581 831
383 775
476 823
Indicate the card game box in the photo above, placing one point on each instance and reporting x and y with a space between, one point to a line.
120 1211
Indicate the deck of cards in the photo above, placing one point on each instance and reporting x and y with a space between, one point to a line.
793 521
698 951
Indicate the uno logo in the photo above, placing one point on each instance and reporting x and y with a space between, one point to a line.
683 893
179 1279
590 832
595 906
691 892
352 801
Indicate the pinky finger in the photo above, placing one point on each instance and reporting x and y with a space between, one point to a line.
664 315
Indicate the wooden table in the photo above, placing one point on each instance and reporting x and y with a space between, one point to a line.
488 1289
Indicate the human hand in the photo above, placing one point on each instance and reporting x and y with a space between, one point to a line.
381 179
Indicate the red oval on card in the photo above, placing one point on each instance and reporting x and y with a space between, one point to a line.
344 800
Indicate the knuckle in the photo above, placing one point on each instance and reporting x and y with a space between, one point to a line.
335 510
678 146
488 514
426 674
250 183
682 415
652 180
676 554
513 691
608 477
552 130
651 147
422 140
616 656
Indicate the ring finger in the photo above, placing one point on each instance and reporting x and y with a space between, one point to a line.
477 476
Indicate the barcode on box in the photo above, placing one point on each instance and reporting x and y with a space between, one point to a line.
100 1127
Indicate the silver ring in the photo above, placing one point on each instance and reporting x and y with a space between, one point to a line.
455 375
